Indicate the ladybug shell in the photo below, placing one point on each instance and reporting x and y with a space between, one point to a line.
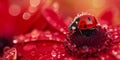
86 22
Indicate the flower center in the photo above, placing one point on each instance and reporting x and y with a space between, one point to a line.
87 42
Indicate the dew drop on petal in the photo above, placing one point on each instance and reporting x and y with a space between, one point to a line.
63 54
50 38
15 41
26 40
53 53
110 30
114 52
35 33
105 26
58 39
115 33
102 58
59 56
61 29
14 10
116 36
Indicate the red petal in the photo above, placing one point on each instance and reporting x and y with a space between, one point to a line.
107 17
55 20
41 50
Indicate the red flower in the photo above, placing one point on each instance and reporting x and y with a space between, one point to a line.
53 41
42 45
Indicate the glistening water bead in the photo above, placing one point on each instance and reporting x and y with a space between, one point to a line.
88 38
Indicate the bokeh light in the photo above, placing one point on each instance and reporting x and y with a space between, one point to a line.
34 3
14 10
26 15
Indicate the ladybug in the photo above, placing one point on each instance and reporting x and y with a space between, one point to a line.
83 22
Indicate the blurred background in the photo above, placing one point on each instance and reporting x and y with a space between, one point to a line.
22 16
17 16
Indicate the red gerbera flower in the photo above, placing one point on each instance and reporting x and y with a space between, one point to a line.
55 40
97 43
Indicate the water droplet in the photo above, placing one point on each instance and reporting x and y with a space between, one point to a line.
105 26
61 29
15 41
114 52
26 40
58 39
35 34
48 35
53 53
116 36
59 56
115 33
102 58
110 30
50 38
64 32
63 54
